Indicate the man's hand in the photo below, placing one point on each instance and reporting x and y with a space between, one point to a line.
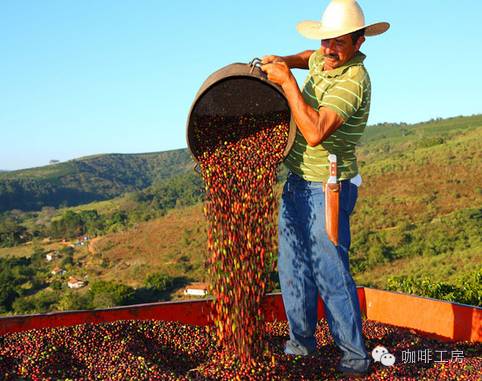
277 70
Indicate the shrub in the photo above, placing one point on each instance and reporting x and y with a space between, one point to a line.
109 294
467 289
7 297
40 302
159 282
74 300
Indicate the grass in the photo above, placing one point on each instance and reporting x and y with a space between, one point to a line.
102 207
173 244
27 249
17 251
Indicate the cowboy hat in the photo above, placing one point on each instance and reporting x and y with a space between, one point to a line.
340 17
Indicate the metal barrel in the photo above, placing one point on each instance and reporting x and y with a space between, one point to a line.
233 91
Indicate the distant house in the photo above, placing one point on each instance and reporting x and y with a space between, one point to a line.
75 283
58 270
196 289
52 256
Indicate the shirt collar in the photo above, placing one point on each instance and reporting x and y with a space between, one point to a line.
357 59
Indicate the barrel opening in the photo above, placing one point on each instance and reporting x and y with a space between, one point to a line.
227 105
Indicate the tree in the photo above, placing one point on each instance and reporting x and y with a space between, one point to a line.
70 225
7 297
12 233
159 282
109 294
67 260
40 302
74 300
92 221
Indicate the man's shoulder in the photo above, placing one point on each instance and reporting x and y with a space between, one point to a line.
356 72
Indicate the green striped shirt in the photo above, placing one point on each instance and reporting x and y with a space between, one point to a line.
345 90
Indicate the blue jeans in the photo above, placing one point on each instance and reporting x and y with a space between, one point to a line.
309 265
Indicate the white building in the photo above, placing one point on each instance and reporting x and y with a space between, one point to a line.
52 256
196 289
75 283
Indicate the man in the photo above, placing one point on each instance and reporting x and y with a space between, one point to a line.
330 114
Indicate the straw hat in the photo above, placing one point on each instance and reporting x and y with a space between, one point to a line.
340 17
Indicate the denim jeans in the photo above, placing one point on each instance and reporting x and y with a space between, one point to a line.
309 265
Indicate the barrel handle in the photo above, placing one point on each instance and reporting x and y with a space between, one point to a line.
255 62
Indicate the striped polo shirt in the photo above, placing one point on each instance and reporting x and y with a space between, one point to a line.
346 90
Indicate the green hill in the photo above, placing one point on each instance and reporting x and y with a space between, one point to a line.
88 179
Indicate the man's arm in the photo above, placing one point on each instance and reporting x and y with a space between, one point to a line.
295 61
315 126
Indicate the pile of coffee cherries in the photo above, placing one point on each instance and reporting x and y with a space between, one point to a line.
155 350
239 164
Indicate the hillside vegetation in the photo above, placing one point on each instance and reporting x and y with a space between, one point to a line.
416 228
88 179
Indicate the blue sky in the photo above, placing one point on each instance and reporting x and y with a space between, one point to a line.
101 76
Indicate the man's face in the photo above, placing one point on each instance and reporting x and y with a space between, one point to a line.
339 50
